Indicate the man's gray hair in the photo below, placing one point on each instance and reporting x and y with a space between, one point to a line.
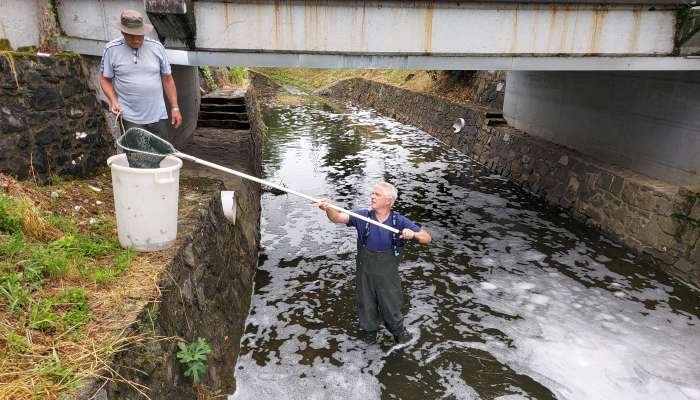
389 191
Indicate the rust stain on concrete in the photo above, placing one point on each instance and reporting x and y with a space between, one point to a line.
363 35
226 15
599 14
290 23
312 39
358 39
552 27
428 37
564 29
514 36
633 40
277 24
574 32
533 48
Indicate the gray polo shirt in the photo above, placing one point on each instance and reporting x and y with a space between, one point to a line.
136 76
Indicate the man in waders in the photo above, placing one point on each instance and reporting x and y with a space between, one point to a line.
135 73
378 256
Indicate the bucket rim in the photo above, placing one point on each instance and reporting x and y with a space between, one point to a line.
112 159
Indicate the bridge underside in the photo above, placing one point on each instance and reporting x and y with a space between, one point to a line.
399 34
399 61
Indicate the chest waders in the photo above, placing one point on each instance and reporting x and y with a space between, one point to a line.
379 285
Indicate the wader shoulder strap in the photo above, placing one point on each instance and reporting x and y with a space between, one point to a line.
396 242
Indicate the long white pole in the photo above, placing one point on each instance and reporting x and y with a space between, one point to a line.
282 188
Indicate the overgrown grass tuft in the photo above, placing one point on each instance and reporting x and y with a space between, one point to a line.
32 222
237 74
9 217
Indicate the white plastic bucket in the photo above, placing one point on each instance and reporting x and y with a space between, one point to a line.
145 202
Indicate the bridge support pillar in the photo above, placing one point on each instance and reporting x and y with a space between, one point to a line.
173 20
189 98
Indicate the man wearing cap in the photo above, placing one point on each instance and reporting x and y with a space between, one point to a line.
379 251
135 73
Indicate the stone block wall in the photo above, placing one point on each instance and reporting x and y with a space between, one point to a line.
488 88
206 291
50 121
415 108
657 219
253 99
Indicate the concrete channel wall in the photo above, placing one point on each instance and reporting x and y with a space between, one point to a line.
657 219
648 122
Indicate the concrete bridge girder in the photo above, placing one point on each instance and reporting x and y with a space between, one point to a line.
489 34
403 27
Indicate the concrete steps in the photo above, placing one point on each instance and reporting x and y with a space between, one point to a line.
495 119
224 111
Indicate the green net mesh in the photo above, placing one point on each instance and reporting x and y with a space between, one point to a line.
144 149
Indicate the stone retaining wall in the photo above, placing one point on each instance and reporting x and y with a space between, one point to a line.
50 121
655 218
206 292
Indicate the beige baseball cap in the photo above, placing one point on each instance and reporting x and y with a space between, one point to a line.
131 22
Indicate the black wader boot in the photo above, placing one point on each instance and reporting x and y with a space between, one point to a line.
379 293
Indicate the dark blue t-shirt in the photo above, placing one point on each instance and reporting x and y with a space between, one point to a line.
379 239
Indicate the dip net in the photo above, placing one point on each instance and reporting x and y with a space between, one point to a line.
144 149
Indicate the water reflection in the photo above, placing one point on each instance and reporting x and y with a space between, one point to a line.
513 300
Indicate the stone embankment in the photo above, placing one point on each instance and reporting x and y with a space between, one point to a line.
207 287
50 121
657 219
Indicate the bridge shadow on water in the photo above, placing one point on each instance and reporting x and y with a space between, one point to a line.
514 299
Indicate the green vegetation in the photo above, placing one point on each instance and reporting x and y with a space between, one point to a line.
52 263
307 79
194 358
208 78
237 74
5 45
456 86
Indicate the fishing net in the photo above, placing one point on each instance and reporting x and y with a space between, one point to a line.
144 149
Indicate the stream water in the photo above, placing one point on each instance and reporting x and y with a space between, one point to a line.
512 300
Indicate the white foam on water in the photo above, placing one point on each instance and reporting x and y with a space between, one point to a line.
539 299
485 289
591 352
524 286
455 387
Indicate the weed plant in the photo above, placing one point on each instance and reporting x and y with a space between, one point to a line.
194 357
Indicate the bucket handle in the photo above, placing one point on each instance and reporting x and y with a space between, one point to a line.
167 177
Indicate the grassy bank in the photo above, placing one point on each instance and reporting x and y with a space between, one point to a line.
455 86
68 291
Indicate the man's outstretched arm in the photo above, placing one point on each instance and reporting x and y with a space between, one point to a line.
333 214
422 236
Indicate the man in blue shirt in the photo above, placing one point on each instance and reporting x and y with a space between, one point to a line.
378 256
135 73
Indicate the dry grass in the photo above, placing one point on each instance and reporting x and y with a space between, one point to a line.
436 83
87 359
49 363
33 224
290 99
11 62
